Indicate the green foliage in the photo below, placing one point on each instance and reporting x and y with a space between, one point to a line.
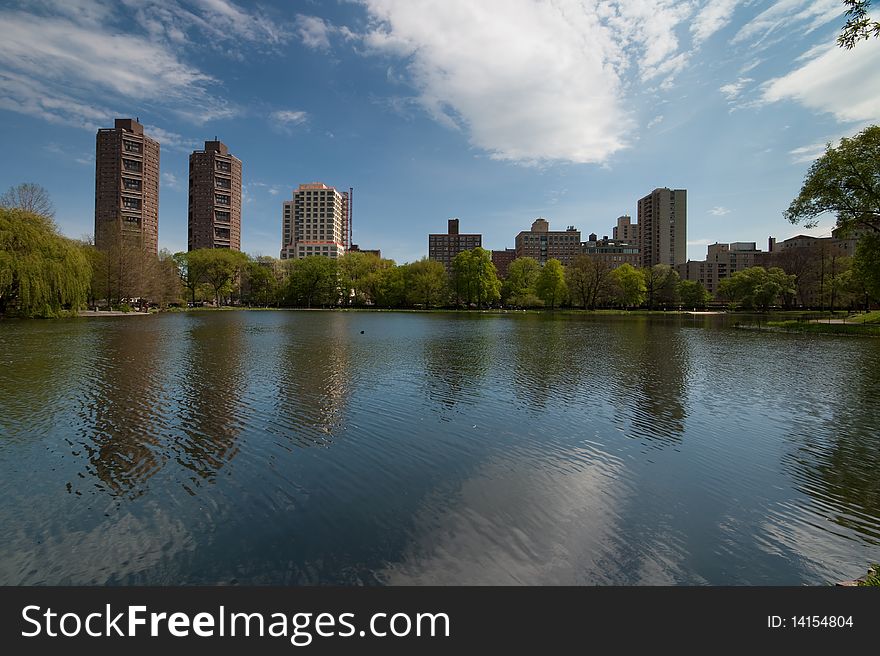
222 267
312 281
872 578
588 281
387 285
859 25
845 181
756 288
425 282
866 265
259 285
550 286
629 289
41 272
356 277
692 294
191 267
661 285
522 274
474 277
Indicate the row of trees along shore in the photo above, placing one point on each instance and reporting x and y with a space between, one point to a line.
44 274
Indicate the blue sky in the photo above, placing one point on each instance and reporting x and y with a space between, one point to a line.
495 111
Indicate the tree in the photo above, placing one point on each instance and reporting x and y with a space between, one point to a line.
30 197
474 277
692 294
661 285
844 181
426 282
550 286
866 264
41 272
191 268
355 269
588 280
756 287
628 285
388 285
522 274
858 25
312 280
259 285
222 269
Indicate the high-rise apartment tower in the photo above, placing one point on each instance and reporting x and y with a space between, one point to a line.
663 227
214 198
126 186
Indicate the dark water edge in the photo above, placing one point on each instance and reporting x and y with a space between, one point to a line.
289 448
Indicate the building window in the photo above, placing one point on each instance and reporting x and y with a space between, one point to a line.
221 199
131 203
223 166
131 146
131 185
131 165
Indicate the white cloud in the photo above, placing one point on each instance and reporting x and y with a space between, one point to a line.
170 180
713 16
170 139
845 83
700 242
807 153
657 120
56 68
314 32
732 90
719 210
534 82
785 14
287 119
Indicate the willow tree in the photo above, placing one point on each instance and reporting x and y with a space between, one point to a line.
41 272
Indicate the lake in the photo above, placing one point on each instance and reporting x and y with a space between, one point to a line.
363 448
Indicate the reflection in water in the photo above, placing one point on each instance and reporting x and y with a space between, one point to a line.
314 381
465 449
840 468
651 367
211 389
119 422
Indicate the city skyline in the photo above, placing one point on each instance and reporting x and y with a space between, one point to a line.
569 113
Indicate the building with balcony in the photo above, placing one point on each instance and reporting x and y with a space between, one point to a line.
214 198
126 187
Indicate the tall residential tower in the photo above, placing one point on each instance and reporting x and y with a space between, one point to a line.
126 187
663 227
214 198
315 222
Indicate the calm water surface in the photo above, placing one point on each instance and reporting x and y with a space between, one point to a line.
289 448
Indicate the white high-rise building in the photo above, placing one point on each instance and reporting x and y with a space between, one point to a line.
315 222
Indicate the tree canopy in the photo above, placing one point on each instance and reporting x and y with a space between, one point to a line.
629 287
41 272
845 181
756 287
550 286
474 277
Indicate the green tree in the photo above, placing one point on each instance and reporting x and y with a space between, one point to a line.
866 265
692 294
522 274
756 288
661 285
588 281
221 268
191 268
41 272
629 287
259 283
845 181
474 277
30 197
386 286
426 282
859 26
312 281
550 286
355 270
